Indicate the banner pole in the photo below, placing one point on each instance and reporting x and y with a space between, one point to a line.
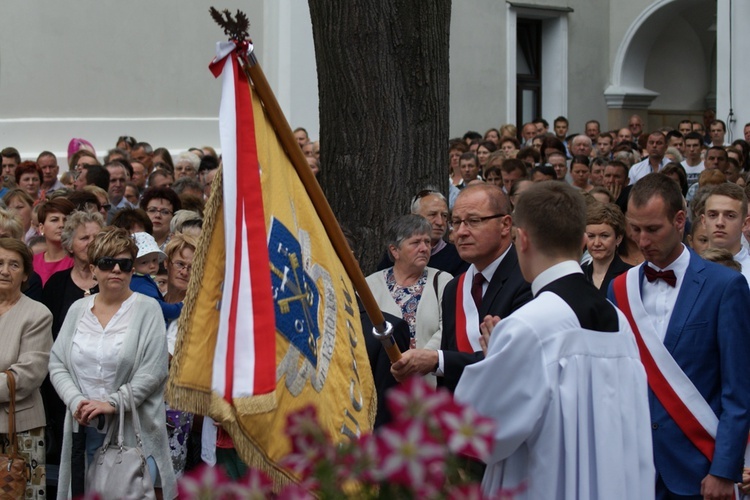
286 137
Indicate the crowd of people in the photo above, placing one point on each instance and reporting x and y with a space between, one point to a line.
497 285
543 233
95 264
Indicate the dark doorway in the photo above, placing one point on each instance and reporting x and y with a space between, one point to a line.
528 70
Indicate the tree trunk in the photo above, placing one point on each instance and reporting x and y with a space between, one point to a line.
383 82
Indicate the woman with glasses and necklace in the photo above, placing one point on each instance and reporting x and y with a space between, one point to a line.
409 289
160 204
179 264
108 340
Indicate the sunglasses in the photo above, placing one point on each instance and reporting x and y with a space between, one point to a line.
109 263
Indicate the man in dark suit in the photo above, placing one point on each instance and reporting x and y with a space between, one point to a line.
493 285
694 314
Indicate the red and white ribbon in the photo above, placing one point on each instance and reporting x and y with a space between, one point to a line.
245 357
467 317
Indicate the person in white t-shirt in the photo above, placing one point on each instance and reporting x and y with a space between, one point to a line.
693 162
724 217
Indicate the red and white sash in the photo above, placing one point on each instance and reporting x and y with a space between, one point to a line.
467 317
674 390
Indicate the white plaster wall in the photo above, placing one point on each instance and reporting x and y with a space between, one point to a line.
289 62
477 65
588 70
739 69
99 69
677 69
621 16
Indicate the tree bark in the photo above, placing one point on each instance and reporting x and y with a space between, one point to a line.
383 84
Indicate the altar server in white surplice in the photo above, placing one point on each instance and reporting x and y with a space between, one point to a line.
562 376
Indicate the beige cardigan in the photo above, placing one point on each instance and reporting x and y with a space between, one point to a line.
26 339
429 311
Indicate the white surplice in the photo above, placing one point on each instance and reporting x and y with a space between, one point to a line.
570 404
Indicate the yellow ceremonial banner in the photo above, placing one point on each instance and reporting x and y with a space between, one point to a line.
325 366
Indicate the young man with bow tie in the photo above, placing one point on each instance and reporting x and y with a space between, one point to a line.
690 320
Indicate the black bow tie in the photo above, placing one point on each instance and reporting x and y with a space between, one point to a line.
668 276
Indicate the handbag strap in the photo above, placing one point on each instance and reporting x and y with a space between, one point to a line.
111 431
121 424
12 413
136 419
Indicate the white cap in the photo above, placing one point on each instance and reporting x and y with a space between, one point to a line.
147 245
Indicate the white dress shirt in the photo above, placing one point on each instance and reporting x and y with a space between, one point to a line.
659 298
743 257
95 351
643 168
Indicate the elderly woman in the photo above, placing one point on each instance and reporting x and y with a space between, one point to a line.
52 215
65 287
160 204
179 264
19 202
186 165
605 229
29 178
10 227
410 289
187 221
108 340
25 330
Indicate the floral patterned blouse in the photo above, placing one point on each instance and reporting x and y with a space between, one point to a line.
407 298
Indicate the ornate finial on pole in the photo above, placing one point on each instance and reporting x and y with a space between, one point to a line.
237 28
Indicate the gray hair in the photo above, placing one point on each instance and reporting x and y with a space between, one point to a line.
11 225
116 151
181 217
428 191
582 138
403 228
627 157
189 157
75 220
675 153
180 185
146 147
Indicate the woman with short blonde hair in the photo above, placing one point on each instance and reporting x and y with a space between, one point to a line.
91 366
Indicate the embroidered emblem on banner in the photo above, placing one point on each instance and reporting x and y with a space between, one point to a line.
295 295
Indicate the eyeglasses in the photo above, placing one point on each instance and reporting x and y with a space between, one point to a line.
163 211
473 222
106 207
181 266
109 263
